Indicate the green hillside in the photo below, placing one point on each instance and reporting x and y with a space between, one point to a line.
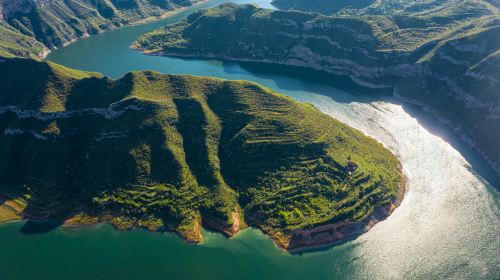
326 7
168 152
442 57
416 8
13 43
29 27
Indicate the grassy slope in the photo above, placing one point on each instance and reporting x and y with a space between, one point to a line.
26 31
13 43
430 53
322 6
182 149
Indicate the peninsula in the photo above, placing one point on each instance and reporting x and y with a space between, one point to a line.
173 153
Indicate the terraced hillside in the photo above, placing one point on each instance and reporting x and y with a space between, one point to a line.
417 8
443 57
172 152
28 28
326 7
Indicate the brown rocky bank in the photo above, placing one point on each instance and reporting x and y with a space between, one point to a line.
331 234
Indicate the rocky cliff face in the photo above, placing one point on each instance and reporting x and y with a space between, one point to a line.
9 8
447 64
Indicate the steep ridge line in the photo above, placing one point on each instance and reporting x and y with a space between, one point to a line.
198 151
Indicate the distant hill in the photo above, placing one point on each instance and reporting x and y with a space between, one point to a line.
443 57
384 7
326 7
29 28
171 152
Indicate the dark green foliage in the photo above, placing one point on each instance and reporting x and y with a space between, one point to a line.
177 147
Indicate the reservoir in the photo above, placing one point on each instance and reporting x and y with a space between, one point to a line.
447 227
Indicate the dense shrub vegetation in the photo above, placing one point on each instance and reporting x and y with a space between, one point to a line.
165 151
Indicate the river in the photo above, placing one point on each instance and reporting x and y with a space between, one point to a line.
447 227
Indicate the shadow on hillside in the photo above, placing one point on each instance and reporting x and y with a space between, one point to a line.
290 77
37 227
297 78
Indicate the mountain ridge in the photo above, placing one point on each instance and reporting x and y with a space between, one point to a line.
170 152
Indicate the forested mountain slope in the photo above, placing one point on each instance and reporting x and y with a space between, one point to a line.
172 152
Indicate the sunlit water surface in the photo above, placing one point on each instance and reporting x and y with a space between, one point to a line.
448 225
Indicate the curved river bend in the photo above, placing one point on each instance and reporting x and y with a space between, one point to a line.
448 225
